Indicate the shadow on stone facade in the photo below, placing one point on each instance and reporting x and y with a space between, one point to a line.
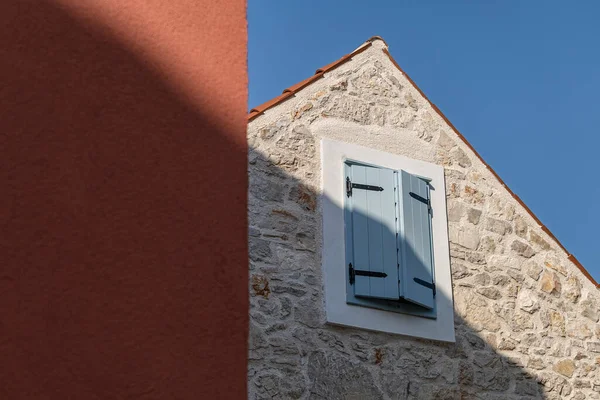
294 353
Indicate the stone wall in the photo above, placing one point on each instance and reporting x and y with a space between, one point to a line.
526 318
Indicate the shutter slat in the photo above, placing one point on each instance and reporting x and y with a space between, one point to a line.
374 208
374 233
360 227
416 252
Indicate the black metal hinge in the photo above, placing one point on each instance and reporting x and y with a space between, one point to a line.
421 199
426 284
350 186
353 272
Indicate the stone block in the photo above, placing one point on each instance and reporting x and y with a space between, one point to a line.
594 347
536 363
490 245
537 240
500 280
482 279
565 368
557 322
489 292
299 112
522 249
473 195
507 344
308 312
266 189
465 237
459 271
533 270
550 283
445 142
473 215
460 157
260 286
589 309
456 210
521 227
293 288
259 250
502 263
572 289
579 330
521 322
410 100
498 226
528 301
453 174
515 275
341 85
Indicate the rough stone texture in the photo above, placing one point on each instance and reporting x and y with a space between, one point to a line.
336 377
526 318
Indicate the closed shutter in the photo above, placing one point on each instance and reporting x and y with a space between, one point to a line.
372 236
416 253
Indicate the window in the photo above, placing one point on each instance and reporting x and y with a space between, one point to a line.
385 253
387 217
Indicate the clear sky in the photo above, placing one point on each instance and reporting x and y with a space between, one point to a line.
519 79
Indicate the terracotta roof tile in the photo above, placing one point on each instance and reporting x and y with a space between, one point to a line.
332 65
253 114
301 85
256 111
374 38
289 92
342 60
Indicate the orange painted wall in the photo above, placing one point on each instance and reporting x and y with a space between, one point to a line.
123 256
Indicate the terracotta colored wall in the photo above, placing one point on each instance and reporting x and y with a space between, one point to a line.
123 259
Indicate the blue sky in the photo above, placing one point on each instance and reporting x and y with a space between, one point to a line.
521 81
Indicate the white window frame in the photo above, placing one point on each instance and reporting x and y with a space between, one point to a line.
333 156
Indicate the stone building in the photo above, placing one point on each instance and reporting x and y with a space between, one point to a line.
513 315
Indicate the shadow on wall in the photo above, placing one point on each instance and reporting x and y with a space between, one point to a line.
122 216
294 353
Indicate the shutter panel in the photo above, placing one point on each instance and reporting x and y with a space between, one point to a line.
374 232
416 253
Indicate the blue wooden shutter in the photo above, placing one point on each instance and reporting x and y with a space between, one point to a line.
416 252
373 231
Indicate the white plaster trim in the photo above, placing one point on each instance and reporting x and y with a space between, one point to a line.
333 154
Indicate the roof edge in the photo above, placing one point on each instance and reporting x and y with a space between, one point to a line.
292 90
289 92
543 227
374 38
